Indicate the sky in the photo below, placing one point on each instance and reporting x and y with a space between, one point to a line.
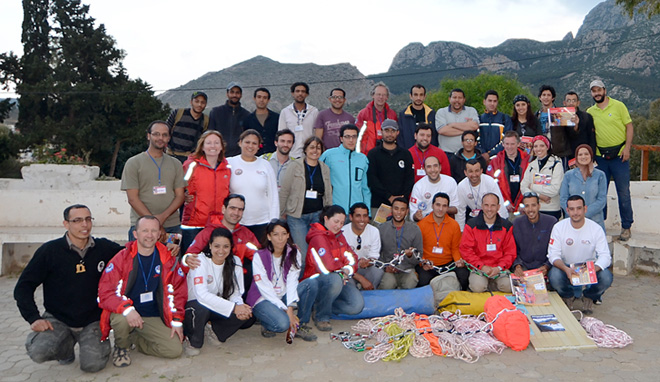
170 42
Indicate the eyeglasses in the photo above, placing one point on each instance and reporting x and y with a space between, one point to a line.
88 219
350 136
336 97
359 241
468 140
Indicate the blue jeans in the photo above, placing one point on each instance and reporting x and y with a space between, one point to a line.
327 295
299 228
563 286
187 237
620 171
272 318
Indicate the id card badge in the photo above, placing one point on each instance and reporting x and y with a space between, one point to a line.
491 247
437 250
421 172
298 128
474 213
160 190
146 297
311 194
278 290
514 178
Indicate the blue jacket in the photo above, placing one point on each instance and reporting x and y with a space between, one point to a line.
593 190
348 175
490 135
407 126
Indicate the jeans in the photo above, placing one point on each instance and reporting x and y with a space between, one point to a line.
327 294
196 317
299 228
620 171
187 237
373 274
563 286
272 318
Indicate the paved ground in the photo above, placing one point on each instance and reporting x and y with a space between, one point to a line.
632 304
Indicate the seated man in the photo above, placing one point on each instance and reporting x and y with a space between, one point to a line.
69 268
488 246
471 191
441 236
364 239
396 235
577 240
532 234
143 292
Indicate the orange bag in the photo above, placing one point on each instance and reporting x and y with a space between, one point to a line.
512 327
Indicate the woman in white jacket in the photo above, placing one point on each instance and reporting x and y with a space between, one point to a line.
214 293
544 176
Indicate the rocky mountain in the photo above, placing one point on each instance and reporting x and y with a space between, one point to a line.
623 52
277 77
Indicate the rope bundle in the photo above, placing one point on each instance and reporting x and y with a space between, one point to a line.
605 336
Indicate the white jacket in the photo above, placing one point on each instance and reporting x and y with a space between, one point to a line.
546 181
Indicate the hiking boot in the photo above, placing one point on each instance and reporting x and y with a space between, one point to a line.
587 305
267 333
625 234
211 338
323 326
68 360
569 302
189 350
305 333
121 357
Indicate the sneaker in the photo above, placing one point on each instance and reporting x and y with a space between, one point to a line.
323 326
625 234
69 360
587 305
121 357
189 350
304 332
599 301
569 302
211 338
267 333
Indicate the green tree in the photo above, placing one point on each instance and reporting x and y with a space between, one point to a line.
476 87
650 7
647 132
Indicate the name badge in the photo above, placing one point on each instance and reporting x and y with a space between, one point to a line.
311 194
421 172
474 213
160 190
514 178
146 297
278 289
298 128
437 250
491 247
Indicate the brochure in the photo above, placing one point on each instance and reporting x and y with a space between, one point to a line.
586 273
561 116
548 323
530 289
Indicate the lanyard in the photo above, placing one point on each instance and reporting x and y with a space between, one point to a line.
490 232
399 238
476 204
301 114
311 175
437 235
278 277
513 165
146 277
161 163
279 167
422 158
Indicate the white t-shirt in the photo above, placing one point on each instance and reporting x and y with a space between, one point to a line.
423 191
256 181
579 245
205 286
469 196
370 241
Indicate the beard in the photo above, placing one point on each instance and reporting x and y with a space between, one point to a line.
599 99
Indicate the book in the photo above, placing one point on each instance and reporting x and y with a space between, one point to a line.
530 289
548 323
384 211
586 273
561 116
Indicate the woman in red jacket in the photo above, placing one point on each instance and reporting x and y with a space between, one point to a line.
208 177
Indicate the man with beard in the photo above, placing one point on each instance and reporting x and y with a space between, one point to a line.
153 182
329 122
415 114
614 135
583 131
453 121
186 126
299 117
469 151
228 119
532 234
280 159
423 149
421 197
399 235
374 114
263 120
390 172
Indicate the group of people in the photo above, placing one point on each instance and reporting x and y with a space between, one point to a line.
242 216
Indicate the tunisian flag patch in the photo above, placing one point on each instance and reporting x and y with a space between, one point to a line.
257 277
199 280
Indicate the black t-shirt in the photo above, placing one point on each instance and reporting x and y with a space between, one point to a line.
313 181
513 168
149 269
420 115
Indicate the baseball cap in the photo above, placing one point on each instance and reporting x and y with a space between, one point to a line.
598 83
234 84
199 93
389 124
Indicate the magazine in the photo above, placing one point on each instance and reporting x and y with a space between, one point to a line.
384 211
548 323
530 289
561 116
586 273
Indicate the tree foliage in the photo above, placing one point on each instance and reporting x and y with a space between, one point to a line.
476 87
74 91
648 7
647 132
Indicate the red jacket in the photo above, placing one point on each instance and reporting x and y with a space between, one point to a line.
373 134
498 162
241 235
209 186
333 250
419 157
476 237
120 275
